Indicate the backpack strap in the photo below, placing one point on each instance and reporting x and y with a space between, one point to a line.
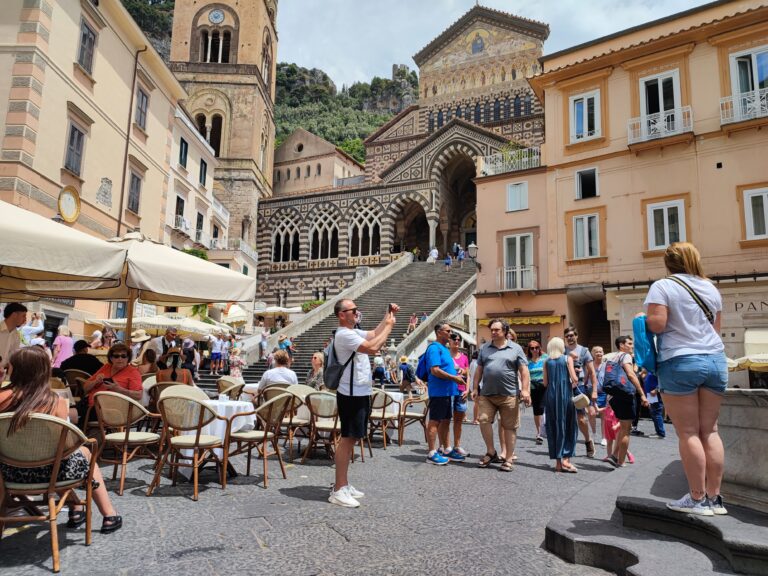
696 298
344 367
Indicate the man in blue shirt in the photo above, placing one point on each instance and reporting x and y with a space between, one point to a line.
442 386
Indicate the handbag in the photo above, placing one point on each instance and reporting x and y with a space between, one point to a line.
580 401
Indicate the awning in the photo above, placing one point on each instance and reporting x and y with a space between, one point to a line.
525 320
755 341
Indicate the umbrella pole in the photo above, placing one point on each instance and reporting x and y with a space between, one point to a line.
129 319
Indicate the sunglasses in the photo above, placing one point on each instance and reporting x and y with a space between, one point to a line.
534 348
119 356
350 310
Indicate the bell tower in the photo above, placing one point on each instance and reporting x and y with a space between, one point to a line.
223 53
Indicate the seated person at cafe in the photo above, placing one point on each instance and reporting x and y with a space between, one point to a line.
82 360
281 373
174 372
148 362
28 393
117 375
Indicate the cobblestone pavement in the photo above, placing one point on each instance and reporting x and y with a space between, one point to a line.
415 518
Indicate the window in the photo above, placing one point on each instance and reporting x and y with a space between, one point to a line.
585 116
298 172
586 183
217 125
142 102
307 171
660 105
215 232
364 231
87 45
517 196
134 193
183 151
517 105
586 242
487 111
431 122
245 269
179 207
285 239
319 169
518 272
199 221
528 105
477 113
756 213
666 224
749 78
288 174
440 119
324 235
277 175
203 172
74 159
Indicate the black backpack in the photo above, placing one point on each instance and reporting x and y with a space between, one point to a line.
334 369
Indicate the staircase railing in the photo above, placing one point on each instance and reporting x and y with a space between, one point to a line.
313 318
445 310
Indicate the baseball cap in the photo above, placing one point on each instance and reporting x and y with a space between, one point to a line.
81 345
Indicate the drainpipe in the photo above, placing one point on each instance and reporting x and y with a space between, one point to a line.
128 140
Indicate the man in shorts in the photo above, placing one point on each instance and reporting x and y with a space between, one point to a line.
355 388
503 368
442 386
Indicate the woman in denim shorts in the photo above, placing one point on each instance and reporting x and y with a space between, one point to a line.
684 311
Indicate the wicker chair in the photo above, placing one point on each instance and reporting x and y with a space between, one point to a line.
72 376
412 410
148 375
225 382
182 410
43 441
233 391
270 416
293 422
120 413
324 422
57 383
381 418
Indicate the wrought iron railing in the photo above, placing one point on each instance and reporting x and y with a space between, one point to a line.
744 106
511 161
516 278
660 125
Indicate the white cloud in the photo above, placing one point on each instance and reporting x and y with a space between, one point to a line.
354 40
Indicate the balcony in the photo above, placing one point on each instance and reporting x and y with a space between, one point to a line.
220 211
182 225
218 244
516 278
242 246
202 239
651 127
745 106
511 161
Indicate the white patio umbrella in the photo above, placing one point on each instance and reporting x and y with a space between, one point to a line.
37 253
236 315
158 274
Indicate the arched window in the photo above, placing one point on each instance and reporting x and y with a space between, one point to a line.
514 74
217 124
285 239
448 115
204 45
307 171
364 232
517 106
266 61
477 113
263 152
226 46
215 47
319 169
277 175
201 121
496 110
503 75
288 174
431 122
440 119
298 172
528 105
458 111
487 112
324 235
506 108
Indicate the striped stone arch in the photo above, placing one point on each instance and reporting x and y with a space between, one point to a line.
280 220
359 214
396 205
441 159
325 210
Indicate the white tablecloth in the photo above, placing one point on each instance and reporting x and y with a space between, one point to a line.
226 409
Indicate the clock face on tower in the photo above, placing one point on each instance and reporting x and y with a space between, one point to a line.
69 204
216 16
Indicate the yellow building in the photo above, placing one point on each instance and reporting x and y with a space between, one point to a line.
88 124
653 135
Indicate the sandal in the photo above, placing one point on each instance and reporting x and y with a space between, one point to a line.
590 448
76 518
111 524
506 466
488 459
570 469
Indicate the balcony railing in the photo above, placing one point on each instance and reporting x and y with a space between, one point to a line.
202 238
660 125
244 247
512 161
516 278
744 106
221 211
349 181
218 244
182 224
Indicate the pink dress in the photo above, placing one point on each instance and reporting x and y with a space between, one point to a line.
65 344
462 362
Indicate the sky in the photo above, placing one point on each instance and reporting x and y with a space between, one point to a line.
355 40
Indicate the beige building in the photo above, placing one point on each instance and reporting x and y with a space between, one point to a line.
653 136
87 126
306 163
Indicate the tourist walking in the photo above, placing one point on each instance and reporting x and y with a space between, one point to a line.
216 343
461 363
655 404
559 380
684 309
441 387
62 346
602 398
536 370
236 364
353 395
587 382
503 369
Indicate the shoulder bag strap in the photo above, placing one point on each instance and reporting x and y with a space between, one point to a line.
351 370
696 298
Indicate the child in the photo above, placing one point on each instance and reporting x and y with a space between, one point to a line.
656 408
611 426
448 261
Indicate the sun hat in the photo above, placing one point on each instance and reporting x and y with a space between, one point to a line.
403 358
139 335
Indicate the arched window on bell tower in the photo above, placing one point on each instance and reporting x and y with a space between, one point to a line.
217 123
201 122
266 61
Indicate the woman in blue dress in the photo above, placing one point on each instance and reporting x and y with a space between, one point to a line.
562 430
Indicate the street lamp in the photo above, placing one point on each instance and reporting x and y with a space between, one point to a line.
472 250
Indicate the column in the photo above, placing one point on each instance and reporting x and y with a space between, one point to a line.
432 223
210 40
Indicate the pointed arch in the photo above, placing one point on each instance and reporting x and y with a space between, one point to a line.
364 217
286 244
324 232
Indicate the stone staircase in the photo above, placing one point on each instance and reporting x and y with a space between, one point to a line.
418 287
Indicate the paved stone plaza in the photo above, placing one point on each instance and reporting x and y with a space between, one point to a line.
415 518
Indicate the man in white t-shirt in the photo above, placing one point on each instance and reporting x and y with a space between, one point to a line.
355 389
217 344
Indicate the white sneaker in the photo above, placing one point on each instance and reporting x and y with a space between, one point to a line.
688 505
343 498
354 492
603 442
